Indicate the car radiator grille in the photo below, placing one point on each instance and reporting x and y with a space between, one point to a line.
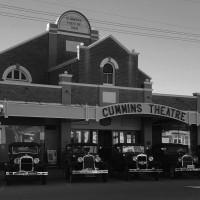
88 162
142 162
26 164
187 160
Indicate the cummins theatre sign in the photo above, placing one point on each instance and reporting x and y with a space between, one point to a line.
143 108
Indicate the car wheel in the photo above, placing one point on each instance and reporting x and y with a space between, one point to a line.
44 180
172 173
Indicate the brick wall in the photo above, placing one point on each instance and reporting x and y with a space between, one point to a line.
30 93
33 55
90 95
90 60
181 103
62 54
71 69
82 95
130 96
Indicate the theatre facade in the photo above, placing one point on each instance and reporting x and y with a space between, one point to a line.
69 85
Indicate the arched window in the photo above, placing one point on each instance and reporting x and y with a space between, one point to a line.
17 73
108 73
109 66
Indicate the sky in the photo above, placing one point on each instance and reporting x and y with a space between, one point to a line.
166 34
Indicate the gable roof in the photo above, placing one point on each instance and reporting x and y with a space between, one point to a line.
115 40
24 42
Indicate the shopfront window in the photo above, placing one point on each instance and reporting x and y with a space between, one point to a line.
176 137
115 137
95 137
124 137
84 136
129 138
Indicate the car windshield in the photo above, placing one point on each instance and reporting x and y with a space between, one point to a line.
85 149
135 149
176 149
16 150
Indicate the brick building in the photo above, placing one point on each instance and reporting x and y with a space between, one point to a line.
68 85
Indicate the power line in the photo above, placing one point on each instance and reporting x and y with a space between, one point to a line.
122 16
23 17
107 23
28 10
103 22
145 28
149 35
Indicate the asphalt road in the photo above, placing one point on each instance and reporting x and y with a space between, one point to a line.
185 188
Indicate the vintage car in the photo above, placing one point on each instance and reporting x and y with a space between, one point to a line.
175 159
24 160
81 159
131 159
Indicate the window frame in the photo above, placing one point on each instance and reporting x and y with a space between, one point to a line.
17 68
114 65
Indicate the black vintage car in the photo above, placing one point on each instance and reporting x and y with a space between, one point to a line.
133 159
81 159
176 159
24 160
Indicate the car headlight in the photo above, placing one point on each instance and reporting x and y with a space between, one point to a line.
16 160
134 158
180 159
97 159
36 160
80 159
150 158
195 159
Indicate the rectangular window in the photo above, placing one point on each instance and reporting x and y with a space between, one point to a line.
115 137
129 137
86 136
95 137
121 135
78 137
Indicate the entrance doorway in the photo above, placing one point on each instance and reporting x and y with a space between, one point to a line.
105 143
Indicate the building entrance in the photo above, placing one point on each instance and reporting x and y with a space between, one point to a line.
105 143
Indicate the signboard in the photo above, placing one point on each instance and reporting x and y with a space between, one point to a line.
143 108
74 21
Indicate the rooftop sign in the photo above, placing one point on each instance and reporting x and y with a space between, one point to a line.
73 21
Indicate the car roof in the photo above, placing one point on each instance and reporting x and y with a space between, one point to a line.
127 144
81 144
169 145
26 144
